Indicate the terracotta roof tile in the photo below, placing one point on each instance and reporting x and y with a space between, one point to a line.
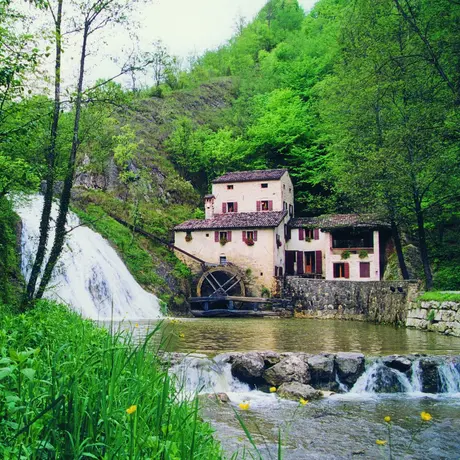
248 176
262 219
331 221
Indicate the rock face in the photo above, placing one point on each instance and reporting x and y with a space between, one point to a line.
248 367
290 369
349 367
296 390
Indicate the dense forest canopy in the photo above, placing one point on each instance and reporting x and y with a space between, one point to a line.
359 99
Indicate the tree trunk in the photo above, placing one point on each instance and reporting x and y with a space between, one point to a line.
51 157
65 197
399 252
423 246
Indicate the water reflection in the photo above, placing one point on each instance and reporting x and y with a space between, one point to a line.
213 336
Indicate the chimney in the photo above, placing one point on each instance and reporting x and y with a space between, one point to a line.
209 206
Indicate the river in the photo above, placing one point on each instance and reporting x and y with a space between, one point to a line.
342 426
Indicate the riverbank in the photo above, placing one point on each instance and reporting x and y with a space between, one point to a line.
69 389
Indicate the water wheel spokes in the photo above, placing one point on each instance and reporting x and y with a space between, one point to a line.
221 282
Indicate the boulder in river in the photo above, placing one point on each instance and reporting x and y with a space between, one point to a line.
248 367
385 380
290 369
322 371
296 390
349 367
400 363
429 375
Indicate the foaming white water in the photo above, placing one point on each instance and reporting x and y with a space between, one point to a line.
199 374
90 276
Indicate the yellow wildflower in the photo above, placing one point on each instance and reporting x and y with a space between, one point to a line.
181 335
387 419
131 409
272 389
244 405
425 416
380 442
303 401
136 325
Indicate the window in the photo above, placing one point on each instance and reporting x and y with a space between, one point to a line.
285 206
229 187
341 270
223 260
309 234
249 237
188 236
287 232
231 206
352 239
222 237
364 270
291 210
264 185
310 262
207 235
265 205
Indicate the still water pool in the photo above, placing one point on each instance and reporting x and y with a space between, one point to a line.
214 336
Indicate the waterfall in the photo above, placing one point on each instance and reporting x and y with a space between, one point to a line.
379 378
89 276
450 377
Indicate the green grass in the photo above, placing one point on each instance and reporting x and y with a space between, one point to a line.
65 386
440 296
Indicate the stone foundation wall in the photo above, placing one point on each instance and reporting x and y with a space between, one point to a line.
379 301
435 316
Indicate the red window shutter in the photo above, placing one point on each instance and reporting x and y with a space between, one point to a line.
316 233
258 206
255 235
301 234
235 207
347 270
300 269
270 205
229 236
224 208
244 236
319 262
216 236
364 270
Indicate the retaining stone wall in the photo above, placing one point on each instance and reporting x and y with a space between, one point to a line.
435 316
379 301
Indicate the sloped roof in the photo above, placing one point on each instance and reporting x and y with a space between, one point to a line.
335 221
262 219
249 176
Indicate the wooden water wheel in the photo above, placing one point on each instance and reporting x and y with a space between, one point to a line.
221 282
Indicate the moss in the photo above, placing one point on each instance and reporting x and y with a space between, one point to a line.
440 296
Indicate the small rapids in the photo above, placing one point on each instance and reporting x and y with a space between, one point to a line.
89 276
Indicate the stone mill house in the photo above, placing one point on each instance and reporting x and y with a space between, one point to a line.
250 223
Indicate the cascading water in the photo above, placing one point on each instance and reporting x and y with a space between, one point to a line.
90 276
379 378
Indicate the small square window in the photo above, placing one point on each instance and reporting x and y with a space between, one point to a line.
264 185
231 207
223 235
207 235
264 205
223 260
229 187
